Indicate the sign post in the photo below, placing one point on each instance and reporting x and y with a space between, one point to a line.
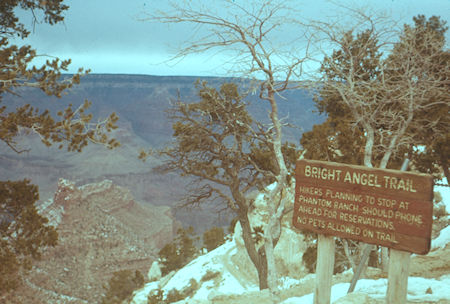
398 271
377 206
324 269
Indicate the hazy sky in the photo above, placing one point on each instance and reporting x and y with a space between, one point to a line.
107 36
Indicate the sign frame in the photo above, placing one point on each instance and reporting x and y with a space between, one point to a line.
384 207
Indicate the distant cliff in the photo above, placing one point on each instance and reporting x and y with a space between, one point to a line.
102 229
140 102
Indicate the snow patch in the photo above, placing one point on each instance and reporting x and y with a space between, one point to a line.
141 295
419 290
287 282
445 193
196 269
442 240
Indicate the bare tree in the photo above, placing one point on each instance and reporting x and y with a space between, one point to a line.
251 33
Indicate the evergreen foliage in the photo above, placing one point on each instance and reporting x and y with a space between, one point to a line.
156 297
402 94
72 125
210 275
174 295
431 57
213 238
23 232
384 103
178 253
121 286
227 154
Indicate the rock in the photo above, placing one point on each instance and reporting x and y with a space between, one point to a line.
289 254
237 235
260 297
101 229
374 273
154 274
432 265
291 245
164 280
191 301
354 298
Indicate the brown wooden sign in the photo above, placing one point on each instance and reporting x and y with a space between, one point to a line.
377 206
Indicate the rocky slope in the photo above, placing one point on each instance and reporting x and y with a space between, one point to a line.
102 229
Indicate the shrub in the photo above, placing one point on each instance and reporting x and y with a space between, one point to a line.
191 289
174 296
213 238
24 233
156 297
171 258
439 209
178 253
310 258
341 262
210 275
121 286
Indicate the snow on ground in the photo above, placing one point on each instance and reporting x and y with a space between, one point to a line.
417 286
141 295
286 282
445 193
211 261
442 240
196 269
419 289
438 290
444 236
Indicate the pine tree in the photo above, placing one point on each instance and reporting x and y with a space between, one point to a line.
383 103
179 252
71 125
213 238
121 286
249 34
24 233
228 155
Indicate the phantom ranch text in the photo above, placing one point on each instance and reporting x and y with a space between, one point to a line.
384 207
